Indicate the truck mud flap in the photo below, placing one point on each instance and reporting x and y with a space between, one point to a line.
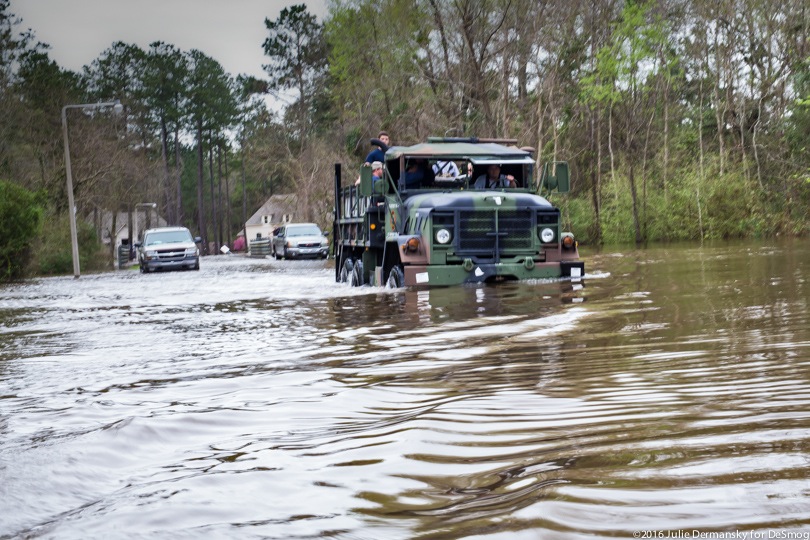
572 269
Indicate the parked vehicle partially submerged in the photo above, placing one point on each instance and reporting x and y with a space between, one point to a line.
416 227
168 248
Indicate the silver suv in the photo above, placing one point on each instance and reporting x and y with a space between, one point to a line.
168 248
300 240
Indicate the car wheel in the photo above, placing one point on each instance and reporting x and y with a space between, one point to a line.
284 254
197 266
396 278
357 275
346 271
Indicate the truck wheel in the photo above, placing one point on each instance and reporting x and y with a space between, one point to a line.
346 271
357 275
396 278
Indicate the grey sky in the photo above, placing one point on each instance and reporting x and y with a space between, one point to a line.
230 31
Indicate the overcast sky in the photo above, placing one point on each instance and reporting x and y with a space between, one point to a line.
230 31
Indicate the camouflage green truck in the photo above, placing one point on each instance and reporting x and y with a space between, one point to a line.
416 227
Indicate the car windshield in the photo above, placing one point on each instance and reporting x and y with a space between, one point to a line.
167 237
306 230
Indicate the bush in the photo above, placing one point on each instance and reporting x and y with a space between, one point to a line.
20 224
54 253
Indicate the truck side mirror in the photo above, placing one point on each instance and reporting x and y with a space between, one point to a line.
367 185
559 181
365 181
562 175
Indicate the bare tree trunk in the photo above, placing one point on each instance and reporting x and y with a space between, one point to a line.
200 201
702 171
636 222
244 194
594 178
167 188
179 176
220 235
228 222
213 194
754 142
610 149
718 115
665 170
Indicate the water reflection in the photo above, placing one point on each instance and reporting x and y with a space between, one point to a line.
669 390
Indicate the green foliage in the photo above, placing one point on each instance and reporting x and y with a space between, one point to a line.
721 206
54 252
20 222
296 50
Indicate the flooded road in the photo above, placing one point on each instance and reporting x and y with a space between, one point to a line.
668 393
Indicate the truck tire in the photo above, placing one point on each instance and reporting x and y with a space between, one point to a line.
346 271
396 278
357 275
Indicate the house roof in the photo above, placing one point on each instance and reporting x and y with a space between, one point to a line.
276 205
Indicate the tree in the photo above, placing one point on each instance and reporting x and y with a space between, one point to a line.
297 56
20 223
164 80
211 108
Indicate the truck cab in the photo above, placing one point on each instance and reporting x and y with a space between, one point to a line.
453 211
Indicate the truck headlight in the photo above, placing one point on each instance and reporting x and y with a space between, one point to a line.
151 253
443 236
191 251
547 235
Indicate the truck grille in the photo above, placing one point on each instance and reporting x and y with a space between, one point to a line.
492 233
171 255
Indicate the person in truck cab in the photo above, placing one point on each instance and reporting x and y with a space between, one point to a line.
494 179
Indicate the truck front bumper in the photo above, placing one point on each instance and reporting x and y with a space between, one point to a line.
456 274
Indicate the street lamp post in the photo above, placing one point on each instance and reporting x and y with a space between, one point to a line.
74 240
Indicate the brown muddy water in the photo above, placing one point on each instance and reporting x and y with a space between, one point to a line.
665 396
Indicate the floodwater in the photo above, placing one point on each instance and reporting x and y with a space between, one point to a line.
666 395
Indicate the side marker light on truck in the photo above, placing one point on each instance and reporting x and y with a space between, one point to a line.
412 245
568 241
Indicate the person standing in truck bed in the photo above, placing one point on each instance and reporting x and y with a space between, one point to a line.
378 154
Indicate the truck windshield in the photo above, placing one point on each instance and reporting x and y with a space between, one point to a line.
304 231
167 237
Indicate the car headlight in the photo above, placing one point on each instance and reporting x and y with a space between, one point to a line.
324 242
151 253
191 251
443 236
547 235
290 244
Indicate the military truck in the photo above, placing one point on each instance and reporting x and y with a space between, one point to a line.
415 226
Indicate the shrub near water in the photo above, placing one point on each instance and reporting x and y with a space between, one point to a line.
20 223
54 253
728 205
